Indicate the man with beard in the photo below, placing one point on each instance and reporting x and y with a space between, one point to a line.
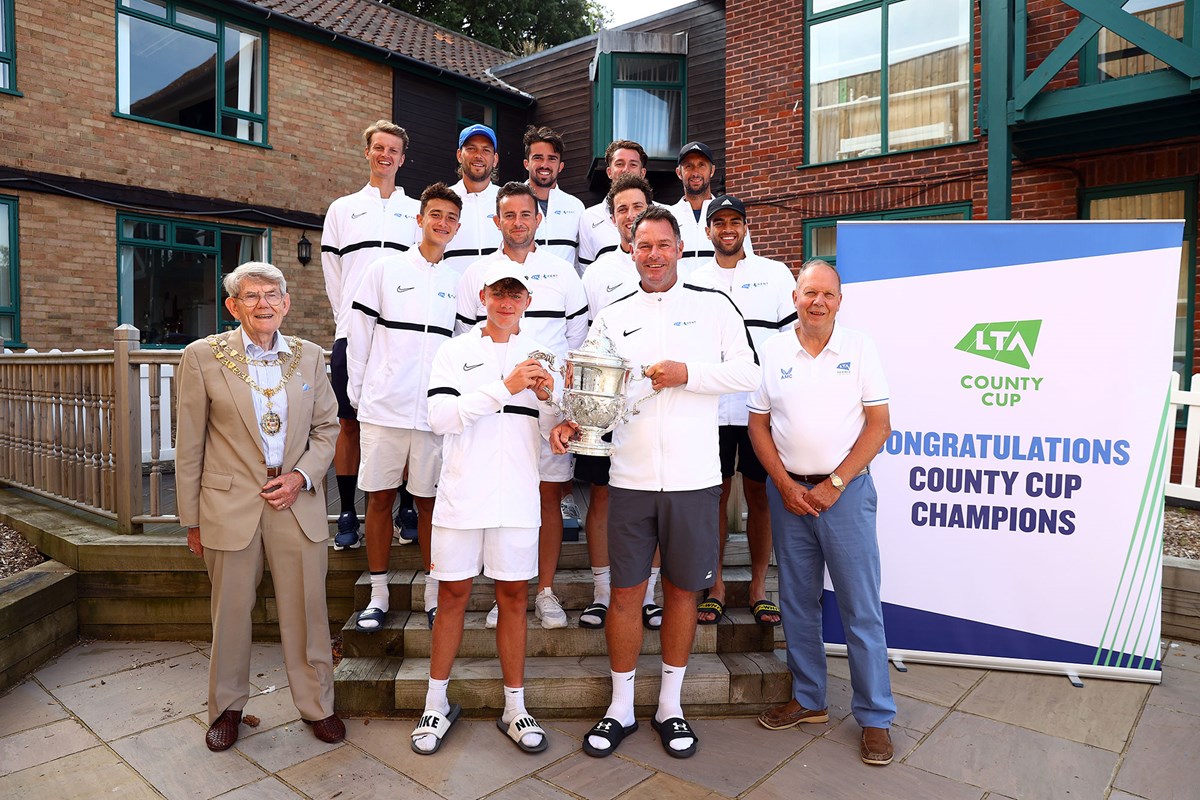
597 233
761 290
558 232
695 171
477 234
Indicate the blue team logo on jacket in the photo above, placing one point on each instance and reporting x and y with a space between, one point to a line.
684 324
843 368
784 374
446 295
753 285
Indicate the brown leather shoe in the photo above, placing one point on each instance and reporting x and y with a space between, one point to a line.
789 714
330 730
224 731
876 747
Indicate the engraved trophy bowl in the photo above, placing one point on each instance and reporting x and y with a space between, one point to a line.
595 378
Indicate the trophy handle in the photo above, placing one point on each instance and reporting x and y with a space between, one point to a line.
547 360
634 410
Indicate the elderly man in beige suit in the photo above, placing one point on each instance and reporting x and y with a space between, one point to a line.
256 432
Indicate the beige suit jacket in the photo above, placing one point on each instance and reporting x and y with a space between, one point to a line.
219 464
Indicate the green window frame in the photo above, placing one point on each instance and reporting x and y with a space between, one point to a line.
169 274
1184 201
820 235
8 48
1182 16
862 100
179 26
10 277
634 99
474 110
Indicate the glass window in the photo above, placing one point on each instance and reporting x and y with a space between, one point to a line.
10 328
1160 203
1118 57
820 235
167 70
473 111
643 98
926 82
170 276
8 49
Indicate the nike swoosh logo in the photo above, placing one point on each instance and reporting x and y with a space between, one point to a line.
356 216
405 288
635 330
469 367
614 287
598 224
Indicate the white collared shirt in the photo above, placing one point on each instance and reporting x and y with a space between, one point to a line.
816 402
269 376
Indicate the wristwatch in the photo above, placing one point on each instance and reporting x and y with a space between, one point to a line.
837 482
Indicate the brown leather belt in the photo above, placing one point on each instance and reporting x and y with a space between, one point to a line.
813 480
274 472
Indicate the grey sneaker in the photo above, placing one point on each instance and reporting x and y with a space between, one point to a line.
493 617
568 508
549 611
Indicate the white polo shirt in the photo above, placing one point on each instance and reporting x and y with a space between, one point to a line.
816 404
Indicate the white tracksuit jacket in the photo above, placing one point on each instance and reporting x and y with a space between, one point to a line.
697 247
612 277
559 232
477 233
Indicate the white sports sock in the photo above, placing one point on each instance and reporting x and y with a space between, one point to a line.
431 594
649 598
621 707
601 585
379 592
436 700
669 705
514 706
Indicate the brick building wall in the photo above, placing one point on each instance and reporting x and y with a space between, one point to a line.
319 100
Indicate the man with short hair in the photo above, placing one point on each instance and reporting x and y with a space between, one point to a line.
695 170
487 398
816 422
666 473
403 311
375 221
597 234
558 232
614 275
760 288
558 318
477 234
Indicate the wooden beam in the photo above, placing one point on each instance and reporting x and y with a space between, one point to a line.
997 53
1158 44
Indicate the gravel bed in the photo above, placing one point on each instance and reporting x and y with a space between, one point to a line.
16 553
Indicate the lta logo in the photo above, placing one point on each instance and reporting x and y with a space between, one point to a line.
1007 342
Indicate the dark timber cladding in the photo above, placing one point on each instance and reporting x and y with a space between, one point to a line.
427 109
559 79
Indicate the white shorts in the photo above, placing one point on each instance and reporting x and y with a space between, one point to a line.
385 453
502 554
553 467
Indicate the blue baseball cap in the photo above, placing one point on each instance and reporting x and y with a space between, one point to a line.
477 130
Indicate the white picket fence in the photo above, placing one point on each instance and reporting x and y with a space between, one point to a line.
1186 488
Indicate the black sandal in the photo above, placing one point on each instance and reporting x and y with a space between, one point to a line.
612 731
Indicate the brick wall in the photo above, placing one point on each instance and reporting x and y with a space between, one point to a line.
319 100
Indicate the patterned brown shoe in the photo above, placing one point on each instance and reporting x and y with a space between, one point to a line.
876 747
330 730
789 714
224 731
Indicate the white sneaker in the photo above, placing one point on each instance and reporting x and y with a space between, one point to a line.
548 609
493 617
568 508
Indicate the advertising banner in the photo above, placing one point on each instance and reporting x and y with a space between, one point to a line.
1021 490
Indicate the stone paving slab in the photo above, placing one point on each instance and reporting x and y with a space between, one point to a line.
98 772
36 746
28 706
96 659
595 778
174 759
1162 760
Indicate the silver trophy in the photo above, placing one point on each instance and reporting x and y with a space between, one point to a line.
594 381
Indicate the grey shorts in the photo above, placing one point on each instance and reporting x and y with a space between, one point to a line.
683 524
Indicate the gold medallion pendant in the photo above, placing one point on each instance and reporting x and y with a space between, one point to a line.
270 423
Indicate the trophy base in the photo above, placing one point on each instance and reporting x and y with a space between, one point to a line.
589 443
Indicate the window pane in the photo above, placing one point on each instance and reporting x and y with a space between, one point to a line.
928 73
150 231
475 111
845 86
824 242
243 70
193 19
241 129
819 6
157 8
4 80
651 117
1119 57
236 249
174 294
6 298
1157 205
648 69
6 327
170 75
197 236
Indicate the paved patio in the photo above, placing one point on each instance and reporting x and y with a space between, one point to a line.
127 719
